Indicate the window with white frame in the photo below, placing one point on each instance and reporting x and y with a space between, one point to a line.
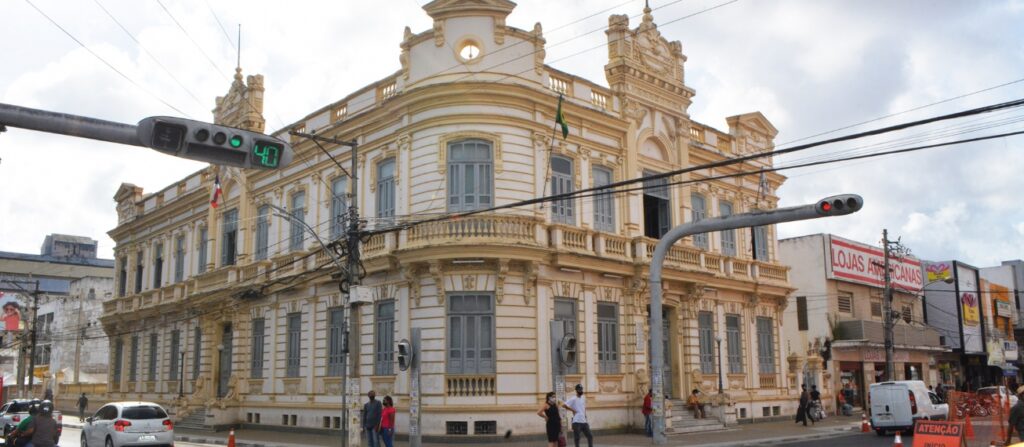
293 355
604 204
607 338
202 255
262 233
706 338
728 236
700 212
339 187
229 246
174 365
259 336
158 265
471 333
179 259
470 178
384 338
562 210
657 215
139 257
335 341
297 227
386 189
734 340
765 346
760 241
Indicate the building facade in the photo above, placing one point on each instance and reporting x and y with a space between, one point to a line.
230 314
71 346
834 319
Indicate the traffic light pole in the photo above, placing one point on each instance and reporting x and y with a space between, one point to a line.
831 206
70 125
415 433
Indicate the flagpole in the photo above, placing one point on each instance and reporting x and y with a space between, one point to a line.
551 148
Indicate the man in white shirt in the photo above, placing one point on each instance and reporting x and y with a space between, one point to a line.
578 406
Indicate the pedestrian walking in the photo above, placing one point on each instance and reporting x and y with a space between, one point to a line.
696 405
552 420
647 410
83 402
372 410
1016 421
578 406
387 422
801 411
814 407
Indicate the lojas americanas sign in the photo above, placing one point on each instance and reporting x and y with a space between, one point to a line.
855 262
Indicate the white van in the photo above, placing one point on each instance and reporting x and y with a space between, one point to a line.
896 406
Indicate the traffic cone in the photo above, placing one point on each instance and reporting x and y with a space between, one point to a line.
231 438
864 425
897 441
968 428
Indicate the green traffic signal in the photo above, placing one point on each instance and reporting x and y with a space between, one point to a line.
236 141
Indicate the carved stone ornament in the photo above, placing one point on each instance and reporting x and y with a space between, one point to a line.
411 275
499 30
634 111
439 33
530 271
437 272
693 291
539 53
500 273
541 142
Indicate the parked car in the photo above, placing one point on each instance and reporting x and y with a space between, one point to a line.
128 424
15 411
897 406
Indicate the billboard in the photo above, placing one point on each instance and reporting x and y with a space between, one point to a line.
859 263
12 312
970 308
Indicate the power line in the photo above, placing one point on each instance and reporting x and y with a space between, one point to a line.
189 36
145 50
104 61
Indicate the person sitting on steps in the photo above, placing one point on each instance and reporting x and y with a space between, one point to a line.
695 404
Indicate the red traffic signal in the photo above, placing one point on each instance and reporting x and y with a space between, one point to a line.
839 205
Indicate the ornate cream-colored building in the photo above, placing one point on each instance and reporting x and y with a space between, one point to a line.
241 302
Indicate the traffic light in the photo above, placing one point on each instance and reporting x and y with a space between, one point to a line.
214 143
839 205
567 350
405 355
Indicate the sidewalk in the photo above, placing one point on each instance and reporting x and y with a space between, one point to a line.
740 435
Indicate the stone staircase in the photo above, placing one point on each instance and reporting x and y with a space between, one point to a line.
684 422
195 420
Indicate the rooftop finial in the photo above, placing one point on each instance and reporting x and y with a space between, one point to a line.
647 11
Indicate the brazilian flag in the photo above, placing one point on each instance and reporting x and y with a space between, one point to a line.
560 119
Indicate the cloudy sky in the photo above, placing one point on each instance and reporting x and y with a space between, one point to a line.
810 67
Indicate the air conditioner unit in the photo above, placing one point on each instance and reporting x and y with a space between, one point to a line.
360 294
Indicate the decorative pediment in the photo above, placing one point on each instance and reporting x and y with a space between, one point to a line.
754 122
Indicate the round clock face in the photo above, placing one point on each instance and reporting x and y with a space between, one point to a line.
469 51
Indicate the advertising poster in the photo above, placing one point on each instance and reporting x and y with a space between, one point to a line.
939 271
12 312
970 308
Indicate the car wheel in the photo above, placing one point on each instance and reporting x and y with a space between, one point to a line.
84 442
110 442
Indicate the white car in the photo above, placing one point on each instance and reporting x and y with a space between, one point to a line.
897 406
128 424
989 393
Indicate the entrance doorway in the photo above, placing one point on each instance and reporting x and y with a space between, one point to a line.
224 375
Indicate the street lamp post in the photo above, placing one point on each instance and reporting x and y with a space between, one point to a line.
718 339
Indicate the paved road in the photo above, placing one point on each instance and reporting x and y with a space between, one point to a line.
72 436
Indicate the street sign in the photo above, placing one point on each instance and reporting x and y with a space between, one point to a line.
938 434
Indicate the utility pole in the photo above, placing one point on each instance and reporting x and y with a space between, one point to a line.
353 269
887 308
32 341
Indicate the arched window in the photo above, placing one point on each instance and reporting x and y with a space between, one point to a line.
470 178
562 183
